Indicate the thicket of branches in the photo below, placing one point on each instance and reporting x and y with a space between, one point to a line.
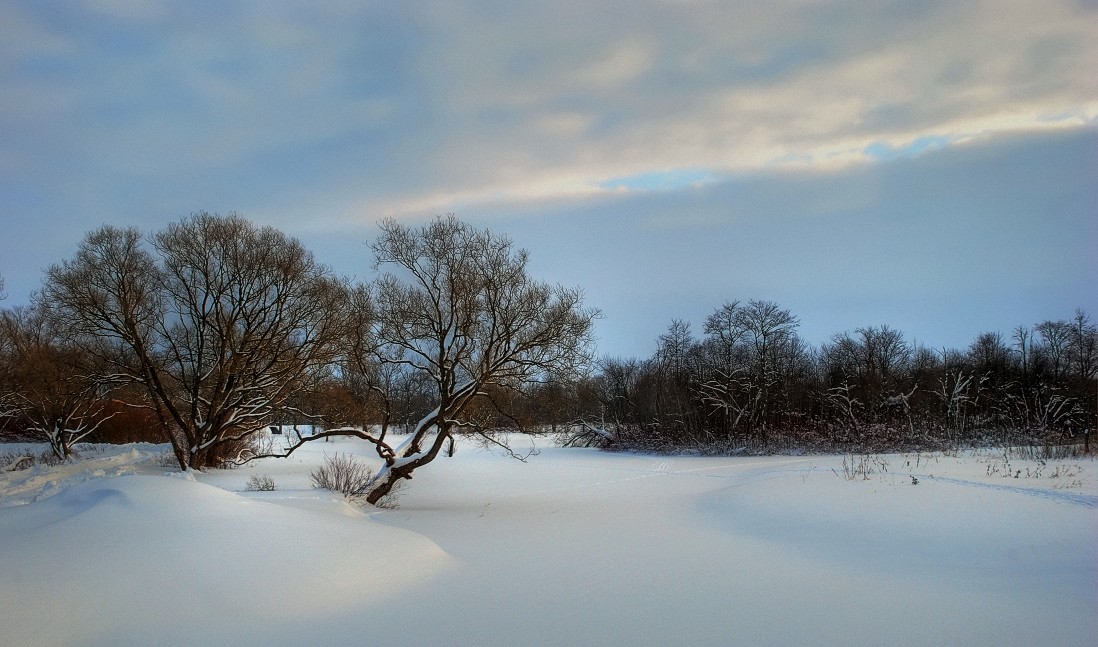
749 383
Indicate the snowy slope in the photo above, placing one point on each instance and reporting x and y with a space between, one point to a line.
574 547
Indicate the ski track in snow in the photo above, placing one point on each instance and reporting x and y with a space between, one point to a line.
664 468
1059 496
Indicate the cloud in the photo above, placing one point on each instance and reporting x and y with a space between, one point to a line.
596 93
942 245
462 98
325 116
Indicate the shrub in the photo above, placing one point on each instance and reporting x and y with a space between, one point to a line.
862 467
257 483
15 461
344 474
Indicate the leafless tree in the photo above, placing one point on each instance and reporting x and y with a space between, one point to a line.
7 406
222 326
1023 346
726 329
1082 350
874 356
673 372
457 305
767 329
460 307
105 299
616 387
1055 338
990 354
52 382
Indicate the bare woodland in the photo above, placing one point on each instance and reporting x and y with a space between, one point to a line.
214 328
749 383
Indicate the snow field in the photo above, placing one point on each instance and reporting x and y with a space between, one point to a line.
573 547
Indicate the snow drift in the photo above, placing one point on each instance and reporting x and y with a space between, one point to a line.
575 547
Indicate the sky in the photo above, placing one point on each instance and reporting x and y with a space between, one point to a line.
931 165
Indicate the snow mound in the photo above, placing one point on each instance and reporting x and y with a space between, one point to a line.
40 482
144 560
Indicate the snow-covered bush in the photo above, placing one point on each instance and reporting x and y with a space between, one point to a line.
257 483
14 461
343 473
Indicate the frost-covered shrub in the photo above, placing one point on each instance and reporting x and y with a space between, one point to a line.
14 461
257 483
344 474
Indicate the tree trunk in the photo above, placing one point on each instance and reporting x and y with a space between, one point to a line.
382 489
405 470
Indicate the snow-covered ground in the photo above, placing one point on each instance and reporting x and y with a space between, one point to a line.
575 547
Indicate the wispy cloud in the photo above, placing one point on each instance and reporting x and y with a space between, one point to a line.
464 99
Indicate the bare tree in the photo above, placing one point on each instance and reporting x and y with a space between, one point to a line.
458 307
875 357
463 310
1082 348
674 369
726 328
222 331
1055 337
7 406
728 386
52 382
767 329
616 390
1083 358
105 298
990 354
1023 346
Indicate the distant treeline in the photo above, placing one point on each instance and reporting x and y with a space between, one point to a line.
749 383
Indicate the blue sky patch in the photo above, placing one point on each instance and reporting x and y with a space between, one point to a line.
884 152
